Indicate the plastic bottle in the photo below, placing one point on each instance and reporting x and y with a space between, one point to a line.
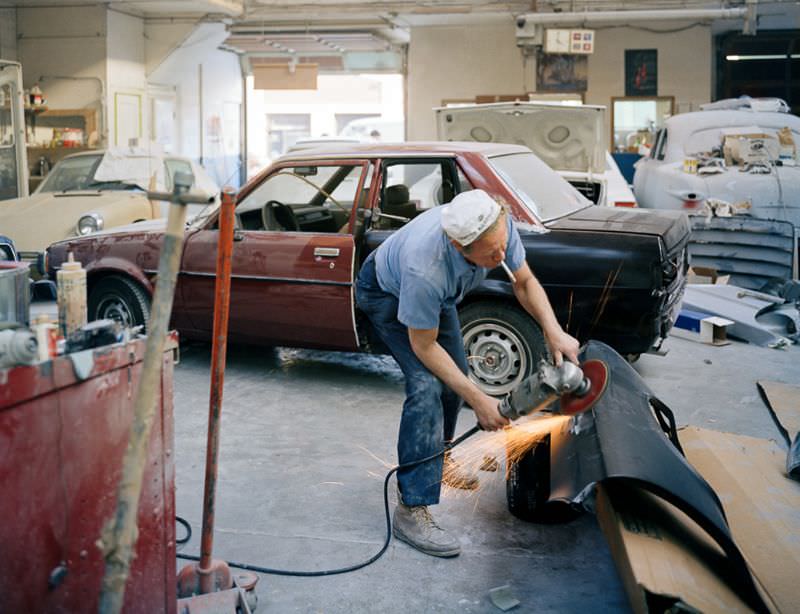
71 280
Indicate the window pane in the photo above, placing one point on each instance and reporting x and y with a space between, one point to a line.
543 190
71 174
316 198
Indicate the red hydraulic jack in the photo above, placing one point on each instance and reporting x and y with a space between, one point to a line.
209 585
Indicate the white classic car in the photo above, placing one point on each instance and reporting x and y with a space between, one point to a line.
741 151
569 139
93 190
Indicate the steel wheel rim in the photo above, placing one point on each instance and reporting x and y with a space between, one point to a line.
115 309
497 356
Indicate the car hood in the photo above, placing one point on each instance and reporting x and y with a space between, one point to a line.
671 226
567 138
36 221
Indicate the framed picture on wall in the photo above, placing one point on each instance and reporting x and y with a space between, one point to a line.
641 72
561 72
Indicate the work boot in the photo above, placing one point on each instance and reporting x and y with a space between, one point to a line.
415 526
456 476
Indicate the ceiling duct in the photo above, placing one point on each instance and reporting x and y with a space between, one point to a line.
527 22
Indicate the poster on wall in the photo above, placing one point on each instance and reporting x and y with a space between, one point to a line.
561 72
641 72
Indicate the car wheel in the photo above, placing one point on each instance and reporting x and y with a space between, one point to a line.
120 299
503 345
528 488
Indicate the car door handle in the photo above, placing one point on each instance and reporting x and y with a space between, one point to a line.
326 252
238 235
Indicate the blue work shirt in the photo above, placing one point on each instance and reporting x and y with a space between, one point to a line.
420 266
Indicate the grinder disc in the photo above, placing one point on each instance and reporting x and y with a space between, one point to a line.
596 372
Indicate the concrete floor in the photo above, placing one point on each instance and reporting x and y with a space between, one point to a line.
307 437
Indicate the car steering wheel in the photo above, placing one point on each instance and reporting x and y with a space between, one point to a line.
284 215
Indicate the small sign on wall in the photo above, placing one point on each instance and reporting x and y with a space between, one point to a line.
569 41
641 72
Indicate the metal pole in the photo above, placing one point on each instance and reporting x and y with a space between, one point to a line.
219 344
118 539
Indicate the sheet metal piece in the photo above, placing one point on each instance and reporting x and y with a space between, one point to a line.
737 304
752 251
621 440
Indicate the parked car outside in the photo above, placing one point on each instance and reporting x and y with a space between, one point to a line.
90 191
304 227
694 158
569 138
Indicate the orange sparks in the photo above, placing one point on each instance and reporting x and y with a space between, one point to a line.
514 441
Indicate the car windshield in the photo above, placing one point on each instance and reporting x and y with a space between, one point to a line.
77 173
546 194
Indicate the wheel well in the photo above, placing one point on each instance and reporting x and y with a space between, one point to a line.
498 299
95 278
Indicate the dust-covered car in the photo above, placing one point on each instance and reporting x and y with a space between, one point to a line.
90 191
742 152
305 225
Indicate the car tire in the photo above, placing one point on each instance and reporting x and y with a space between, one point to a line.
528 489
503 344
121 299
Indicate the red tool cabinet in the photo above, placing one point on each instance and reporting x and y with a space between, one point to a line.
63 431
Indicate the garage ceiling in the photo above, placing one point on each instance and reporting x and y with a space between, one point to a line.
327 28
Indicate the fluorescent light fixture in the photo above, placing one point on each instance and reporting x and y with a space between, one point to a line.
780 56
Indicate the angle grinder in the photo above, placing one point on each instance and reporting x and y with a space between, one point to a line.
577 387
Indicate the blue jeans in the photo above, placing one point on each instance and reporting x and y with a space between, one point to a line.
430 410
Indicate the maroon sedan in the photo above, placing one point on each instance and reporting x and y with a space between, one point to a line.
306 223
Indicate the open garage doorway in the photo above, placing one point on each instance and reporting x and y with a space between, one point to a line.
343 107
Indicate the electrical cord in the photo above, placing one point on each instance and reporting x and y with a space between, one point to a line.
340 570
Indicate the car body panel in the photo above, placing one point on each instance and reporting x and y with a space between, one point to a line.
281 292
33 225
607 271
661 183
570 139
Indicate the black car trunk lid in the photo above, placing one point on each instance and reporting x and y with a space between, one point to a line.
671 226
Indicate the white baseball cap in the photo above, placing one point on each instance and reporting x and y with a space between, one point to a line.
469 215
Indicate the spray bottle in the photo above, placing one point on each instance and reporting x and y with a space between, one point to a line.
71 280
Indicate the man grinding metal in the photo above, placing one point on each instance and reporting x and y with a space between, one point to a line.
409 288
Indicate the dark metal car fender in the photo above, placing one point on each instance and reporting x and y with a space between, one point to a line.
622 441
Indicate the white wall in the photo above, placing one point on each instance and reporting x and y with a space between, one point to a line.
219 95
8 34
64 49
685 62
460 62
126 82
466 61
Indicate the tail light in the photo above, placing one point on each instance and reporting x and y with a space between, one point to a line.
625 203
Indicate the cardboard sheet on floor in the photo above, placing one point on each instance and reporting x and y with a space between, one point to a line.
762 506
665 559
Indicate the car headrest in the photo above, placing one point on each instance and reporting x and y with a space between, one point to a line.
396 194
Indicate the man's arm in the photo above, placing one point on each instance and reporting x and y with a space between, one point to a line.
533 298
438 362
